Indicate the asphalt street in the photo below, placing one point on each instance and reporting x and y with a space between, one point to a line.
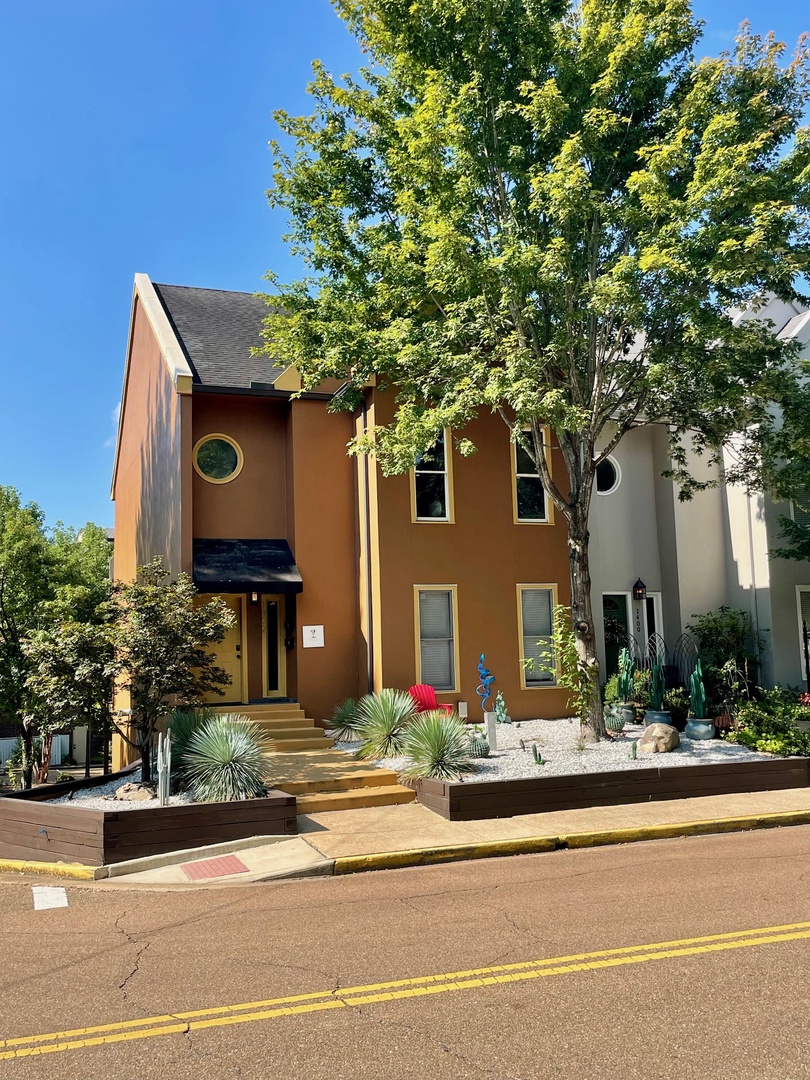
677 958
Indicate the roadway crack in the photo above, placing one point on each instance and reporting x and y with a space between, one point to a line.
446 1048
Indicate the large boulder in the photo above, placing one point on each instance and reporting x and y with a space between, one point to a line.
135 792
658 739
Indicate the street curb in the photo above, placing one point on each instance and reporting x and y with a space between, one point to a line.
61 870
490 849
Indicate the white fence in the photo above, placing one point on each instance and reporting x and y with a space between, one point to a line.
60 750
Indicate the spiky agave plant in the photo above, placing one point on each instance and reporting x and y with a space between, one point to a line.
438 746
383 720
344 721
183 723
225 759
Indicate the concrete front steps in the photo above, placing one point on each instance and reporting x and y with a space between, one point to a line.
324 780
284 722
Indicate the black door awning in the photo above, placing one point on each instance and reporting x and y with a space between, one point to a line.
245 566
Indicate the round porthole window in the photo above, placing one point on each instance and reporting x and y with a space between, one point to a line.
218 458
607 476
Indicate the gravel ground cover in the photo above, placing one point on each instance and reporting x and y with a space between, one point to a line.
101 798
559 743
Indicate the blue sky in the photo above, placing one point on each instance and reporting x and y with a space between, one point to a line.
136 141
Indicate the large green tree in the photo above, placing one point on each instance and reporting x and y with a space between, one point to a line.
549 210
46 575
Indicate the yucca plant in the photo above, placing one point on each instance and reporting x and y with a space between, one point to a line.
183 723
344 721
383 720
225 759
438 747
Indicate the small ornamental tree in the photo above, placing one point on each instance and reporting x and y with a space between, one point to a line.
163 645
547 209
71 670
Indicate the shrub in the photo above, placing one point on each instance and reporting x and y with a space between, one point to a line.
225 759
344 722
642 689
676 703
610 692
438 747
383 718
769 725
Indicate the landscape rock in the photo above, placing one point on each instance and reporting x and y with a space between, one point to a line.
135 793
659 739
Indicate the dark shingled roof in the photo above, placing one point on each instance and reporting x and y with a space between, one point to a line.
217 330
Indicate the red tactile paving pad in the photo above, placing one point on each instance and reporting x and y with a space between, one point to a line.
219 867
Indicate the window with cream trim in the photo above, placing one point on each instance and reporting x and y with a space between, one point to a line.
437 637
529 494
431 486
535 615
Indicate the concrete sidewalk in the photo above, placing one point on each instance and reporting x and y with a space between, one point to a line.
386 837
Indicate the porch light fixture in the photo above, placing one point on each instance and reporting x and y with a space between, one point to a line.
639 590
254 598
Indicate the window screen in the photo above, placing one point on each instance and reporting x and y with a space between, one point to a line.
536 609
437 638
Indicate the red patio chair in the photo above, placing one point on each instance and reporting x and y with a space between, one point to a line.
425 698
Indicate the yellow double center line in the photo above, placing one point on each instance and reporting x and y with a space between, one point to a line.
250 1011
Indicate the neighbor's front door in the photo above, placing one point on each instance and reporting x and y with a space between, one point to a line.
229 655
617 628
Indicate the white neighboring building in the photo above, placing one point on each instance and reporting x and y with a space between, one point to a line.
694 556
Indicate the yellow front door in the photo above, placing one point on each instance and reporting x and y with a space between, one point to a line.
230 656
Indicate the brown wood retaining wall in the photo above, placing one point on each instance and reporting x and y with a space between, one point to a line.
30 829
508 798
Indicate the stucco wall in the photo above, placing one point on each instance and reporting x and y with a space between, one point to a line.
483 553
785 644
153 462
253 506
324 541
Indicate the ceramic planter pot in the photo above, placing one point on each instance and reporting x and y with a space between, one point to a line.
657 716
699 729
627 712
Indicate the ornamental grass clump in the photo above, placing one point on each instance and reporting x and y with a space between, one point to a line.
225 760
438 747
344 721
183 724
383 721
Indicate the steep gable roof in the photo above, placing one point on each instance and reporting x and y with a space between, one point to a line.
216 330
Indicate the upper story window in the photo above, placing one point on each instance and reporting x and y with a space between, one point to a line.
432 489
530 502
608 476
218 458
800 507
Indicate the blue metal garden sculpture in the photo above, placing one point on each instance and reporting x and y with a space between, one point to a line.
484 690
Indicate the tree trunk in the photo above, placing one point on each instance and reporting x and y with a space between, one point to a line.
45 758
145 748
582 614
28 755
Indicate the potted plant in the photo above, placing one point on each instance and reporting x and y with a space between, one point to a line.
624 707
697 726
657 714
801 714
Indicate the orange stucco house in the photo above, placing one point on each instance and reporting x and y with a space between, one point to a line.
341 580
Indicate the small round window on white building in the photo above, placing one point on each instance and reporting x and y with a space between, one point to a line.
218 459
608 476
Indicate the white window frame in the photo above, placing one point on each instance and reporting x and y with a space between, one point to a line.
447 473
453 591
546 586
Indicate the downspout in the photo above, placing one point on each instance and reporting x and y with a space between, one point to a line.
369 591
